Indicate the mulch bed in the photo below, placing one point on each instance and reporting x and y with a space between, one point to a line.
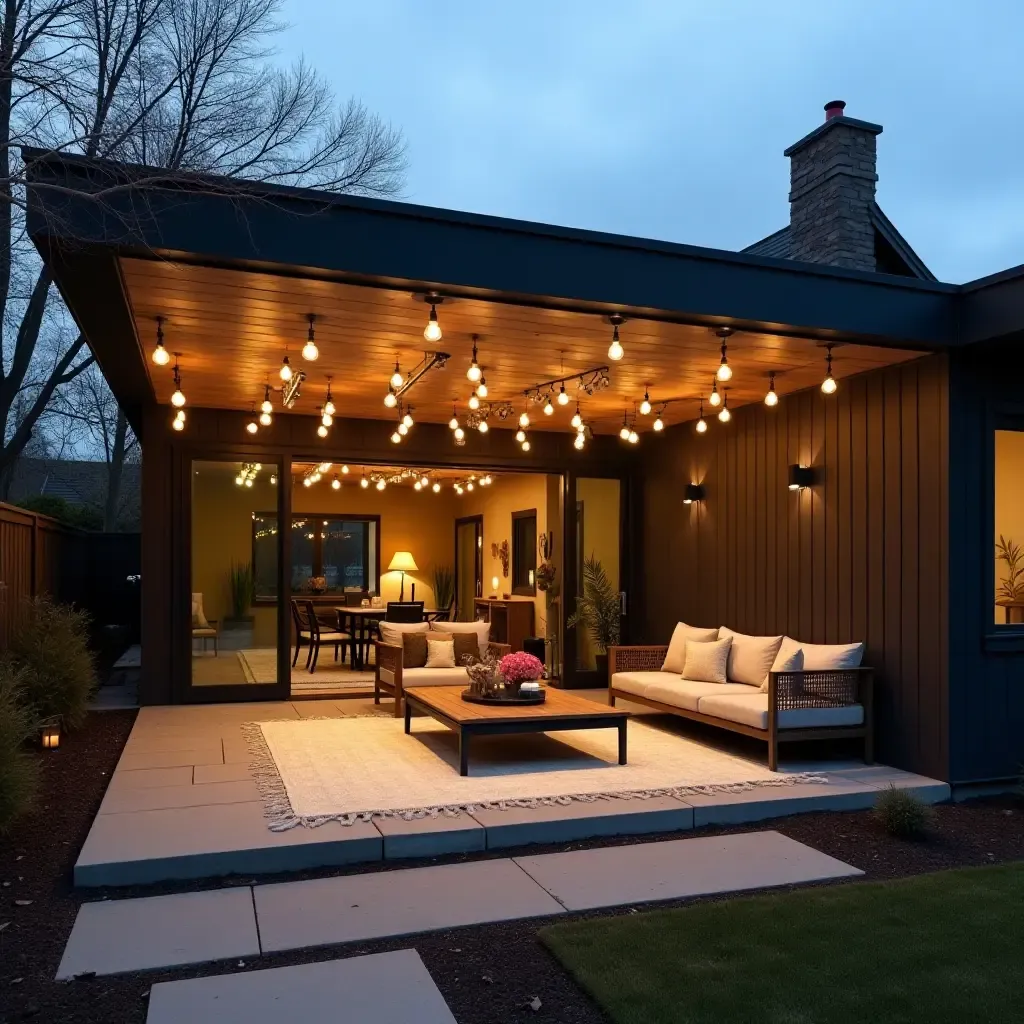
488 974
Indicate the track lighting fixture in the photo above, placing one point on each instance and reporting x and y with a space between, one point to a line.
723 414
702 424
645 405
432 332
771 398
309 351
336 483
714 398
252 426
828 385
160 356
615 350
474 373
285 373
474 402
724 369
481 388
577 419
548 407
397 380
563 398
390 401
178 398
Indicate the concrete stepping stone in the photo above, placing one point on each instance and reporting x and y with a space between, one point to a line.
160 931
586 879
294 915
384 988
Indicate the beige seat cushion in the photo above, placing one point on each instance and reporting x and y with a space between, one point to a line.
708 661
639 682
391 632
482 630
750 657
204 631
434 677
686 693
752 709
333 637
821 657
675 656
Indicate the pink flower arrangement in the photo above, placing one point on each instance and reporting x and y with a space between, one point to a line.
520 667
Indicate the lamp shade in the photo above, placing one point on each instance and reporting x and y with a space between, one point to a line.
403 562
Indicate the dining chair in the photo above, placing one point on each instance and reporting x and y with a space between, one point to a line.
309 630
404 611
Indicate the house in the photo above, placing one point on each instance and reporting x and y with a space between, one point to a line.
868 509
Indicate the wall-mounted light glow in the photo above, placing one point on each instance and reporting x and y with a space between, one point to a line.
309 351
771 398
692 493
160 355
432 332
828 385
801 477
397 380
645 405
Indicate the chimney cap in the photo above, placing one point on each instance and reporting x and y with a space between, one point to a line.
834 108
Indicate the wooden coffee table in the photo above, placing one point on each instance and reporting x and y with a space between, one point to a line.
561 711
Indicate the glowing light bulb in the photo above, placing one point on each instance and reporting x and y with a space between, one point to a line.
563 398
580 441
724 369
715 398
364 483
397 380
577 419
724 416
396 438
178 399
645 405
526 446
424 481
520 436
252 426
483 428
310 352
436 488
634 437
615 349
658 425
403 429
459 434
285 373
178 424
524 420
248 481
381 484
239 480
548 407
771 398
266 419
335 484
268 407
417 486
624 432
160 355
474 402
432 332
180 415
307 482
481 388
344 470
389 399
469 486
321 431
828 385
453 423
327 419
407 419
273 479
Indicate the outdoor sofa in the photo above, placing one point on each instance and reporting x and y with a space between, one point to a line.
774 689
393 672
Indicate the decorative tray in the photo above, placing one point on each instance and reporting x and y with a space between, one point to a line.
531 698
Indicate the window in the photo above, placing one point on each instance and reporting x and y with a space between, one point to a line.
524 552
1009 527
342 550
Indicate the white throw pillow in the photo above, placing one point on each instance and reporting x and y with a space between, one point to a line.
675 656
706 661
391 632
482 630
750 657
823 657
793 662
440 654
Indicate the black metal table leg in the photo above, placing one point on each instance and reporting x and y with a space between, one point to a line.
622 741
408 716
463 752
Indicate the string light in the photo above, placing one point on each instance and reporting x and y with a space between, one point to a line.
381 484
407 419
526 446
474 373
645 405
724 369
402 429
715 398
828 385
309 351
520 436
321 431
424 480
397 380
634 437
285 373
615 350
267 405
326 419
160 356
460 434
432 332
580 441
771 398
344 470
396 438
702 424
624 429
363 482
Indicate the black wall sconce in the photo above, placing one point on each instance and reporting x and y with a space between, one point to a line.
692 493
801 477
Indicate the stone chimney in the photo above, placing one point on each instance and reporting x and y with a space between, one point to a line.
832 189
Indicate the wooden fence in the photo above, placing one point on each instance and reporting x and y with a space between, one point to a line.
39 555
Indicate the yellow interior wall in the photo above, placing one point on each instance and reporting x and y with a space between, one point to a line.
601 536
420 522
514 492
1009 497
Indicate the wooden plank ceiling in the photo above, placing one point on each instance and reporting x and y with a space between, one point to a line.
232 329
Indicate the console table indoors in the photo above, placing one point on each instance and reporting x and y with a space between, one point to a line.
511 619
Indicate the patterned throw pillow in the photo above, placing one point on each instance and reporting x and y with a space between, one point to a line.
440 654
414 650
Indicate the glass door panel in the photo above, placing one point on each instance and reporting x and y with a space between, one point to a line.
598 571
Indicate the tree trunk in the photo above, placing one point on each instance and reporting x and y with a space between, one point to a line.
115 470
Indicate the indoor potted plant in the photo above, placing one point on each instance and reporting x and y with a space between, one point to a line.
444 588
599 610
518 668
243 594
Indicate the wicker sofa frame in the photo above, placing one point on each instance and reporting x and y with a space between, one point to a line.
786 690
389 657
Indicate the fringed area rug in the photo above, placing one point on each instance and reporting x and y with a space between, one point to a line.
260 666
355 769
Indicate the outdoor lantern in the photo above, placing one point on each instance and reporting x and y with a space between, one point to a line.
50 735
692 493
801 477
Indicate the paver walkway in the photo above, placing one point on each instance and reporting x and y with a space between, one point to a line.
165 931
383 988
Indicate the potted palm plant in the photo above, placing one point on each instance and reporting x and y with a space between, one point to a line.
444 587
243 594
598 610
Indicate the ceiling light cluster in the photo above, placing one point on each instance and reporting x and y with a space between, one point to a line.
247 474
315 474
405 424
544 394
430 361
161 358
470 483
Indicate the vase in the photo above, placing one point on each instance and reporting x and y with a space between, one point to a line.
511 688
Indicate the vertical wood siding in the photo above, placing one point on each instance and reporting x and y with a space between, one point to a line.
860 556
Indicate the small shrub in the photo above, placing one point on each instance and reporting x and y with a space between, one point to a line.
56 671
902 814
19 770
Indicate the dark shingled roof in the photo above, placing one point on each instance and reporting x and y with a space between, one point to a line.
893 252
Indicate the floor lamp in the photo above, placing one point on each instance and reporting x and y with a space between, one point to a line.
403 562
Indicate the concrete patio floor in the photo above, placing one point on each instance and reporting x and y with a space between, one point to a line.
183 804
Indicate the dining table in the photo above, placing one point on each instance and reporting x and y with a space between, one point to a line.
361 624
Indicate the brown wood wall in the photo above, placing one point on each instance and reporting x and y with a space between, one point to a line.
860 556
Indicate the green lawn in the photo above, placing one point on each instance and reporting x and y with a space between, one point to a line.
945 948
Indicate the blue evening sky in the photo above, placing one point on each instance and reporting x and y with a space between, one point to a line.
668 118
